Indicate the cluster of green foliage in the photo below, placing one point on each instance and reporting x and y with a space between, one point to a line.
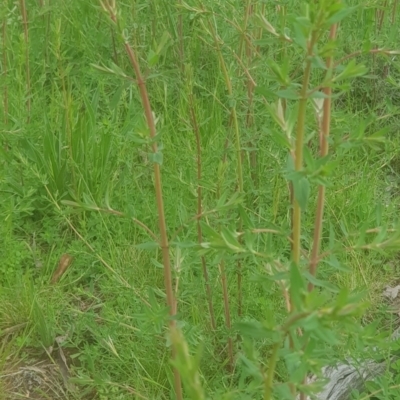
234 87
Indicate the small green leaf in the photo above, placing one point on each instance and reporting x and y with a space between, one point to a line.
297 286
250 366
184 245
339 15
116 97
301 189
267 93
309 160
245 218
377 138
72 203
113 70
117 70
156 157
332 236
264 23
336 264
152 58
289 94
210 233
342 299
327 335
280 139
302 28
279 72
156 263
222 200
352 70
254 329
230 240
320 283
318 95
163 42
148 246
101 68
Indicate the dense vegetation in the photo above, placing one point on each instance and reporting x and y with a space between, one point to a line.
259 113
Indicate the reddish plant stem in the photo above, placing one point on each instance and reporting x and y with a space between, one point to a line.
5 71
181 48
114 46
160 207
358 53
235 122
298 151
200 210
324 149
394 10
298 161
382 16
250 91
227 312
164 244
225 294
27 68
324 144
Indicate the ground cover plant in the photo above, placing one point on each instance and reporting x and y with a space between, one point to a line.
199 199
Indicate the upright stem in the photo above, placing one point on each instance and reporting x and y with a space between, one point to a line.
324 134
273 359
5 69
298 155
234 120
67 101
269 380
164 244
298 160
27 68
180 35
233 115
160 207
200 209
247 13
394 10
227 312
250 92
260 30
225 294
114 46
324 149
382 16
46 22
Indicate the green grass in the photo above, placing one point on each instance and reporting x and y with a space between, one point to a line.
85 143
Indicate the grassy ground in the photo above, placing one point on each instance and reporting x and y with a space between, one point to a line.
82 141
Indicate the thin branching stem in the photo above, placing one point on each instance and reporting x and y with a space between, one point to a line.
114 212
160 207
227 312
164 243
181 39
235 122
269 380
298 154
324 149
24 15
5 69
196 130
394 11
